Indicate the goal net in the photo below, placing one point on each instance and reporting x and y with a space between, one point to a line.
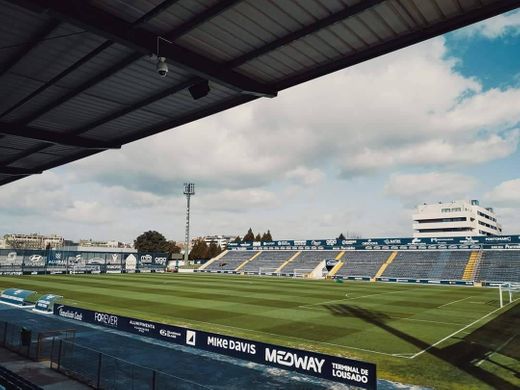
508 293
266 271
301 272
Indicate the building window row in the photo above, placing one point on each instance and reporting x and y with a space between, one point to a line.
438 220
451 210
488 225
462 229
486 216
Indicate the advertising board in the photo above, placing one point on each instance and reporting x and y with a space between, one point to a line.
338 369
397 243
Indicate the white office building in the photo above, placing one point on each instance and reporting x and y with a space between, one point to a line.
459 218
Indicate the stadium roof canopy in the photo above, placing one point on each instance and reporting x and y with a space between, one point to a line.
79 77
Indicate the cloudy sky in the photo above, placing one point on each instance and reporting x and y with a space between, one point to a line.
351 152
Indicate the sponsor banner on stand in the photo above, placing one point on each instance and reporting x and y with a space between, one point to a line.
403 243
333 368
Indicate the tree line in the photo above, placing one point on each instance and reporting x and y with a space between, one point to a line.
250 236
153 241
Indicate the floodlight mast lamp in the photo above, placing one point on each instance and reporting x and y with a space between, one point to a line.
189 190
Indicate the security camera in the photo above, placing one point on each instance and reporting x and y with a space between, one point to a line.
162 67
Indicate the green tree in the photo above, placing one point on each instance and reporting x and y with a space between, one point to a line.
341 237
199 250
249 236
173 248
213 250
151 241
267 236
258 237
237 239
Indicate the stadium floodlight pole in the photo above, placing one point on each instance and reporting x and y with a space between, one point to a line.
189 190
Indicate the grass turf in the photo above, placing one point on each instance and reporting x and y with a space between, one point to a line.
441 337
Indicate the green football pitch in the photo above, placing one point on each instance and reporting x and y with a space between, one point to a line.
435 336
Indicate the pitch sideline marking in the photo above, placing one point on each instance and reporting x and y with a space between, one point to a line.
496 350
460 330
451 303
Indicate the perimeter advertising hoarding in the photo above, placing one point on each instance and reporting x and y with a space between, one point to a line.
402 243
333 368
28 261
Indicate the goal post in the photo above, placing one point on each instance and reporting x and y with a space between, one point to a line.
512 290
301 272
267 271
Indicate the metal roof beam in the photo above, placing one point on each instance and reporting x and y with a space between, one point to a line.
138 105
311 28
36 39
12 171
143 19
82 14
156 11
82 87
203 17
404 40
53 137
215 108
58 77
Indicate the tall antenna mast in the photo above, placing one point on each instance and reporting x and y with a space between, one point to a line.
189 190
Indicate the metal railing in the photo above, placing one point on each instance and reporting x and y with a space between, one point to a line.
36 346
103 371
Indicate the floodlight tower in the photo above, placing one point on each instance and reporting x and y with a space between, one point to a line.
189 190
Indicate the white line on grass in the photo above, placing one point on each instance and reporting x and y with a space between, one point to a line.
283 336
451 303
496 350
394 318
432 321
299 338
460 330
350 299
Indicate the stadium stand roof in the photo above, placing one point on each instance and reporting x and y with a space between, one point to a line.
77 77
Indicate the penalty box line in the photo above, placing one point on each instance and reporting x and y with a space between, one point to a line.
460 330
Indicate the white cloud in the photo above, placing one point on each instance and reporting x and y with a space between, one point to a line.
493 28
37 195
509 218
432 152
305 176
429 187
237 200
409 108
85 213
506 194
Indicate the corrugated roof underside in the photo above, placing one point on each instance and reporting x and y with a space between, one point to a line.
117 96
